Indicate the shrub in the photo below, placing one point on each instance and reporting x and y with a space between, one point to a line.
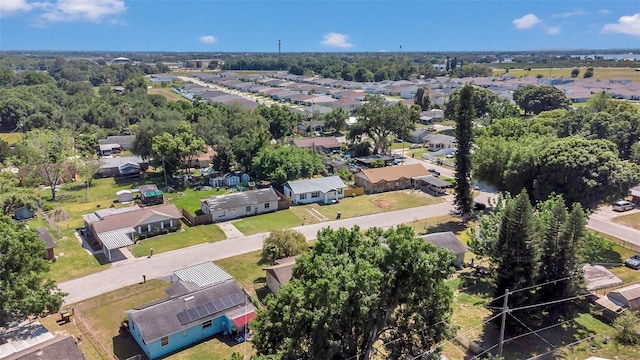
627 329
47 207
283 243
575 72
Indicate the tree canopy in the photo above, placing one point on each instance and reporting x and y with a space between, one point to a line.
354 290
536 99
283 243
464 116
26 289
283 163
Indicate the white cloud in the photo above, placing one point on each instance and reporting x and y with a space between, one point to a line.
604 11
578 12
629 25
8 7
553 30
337 40
526 22
208 39
81 10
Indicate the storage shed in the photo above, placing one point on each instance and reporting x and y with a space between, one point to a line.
124 196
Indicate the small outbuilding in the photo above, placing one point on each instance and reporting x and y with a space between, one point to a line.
49 244
280 274
124 196
627 297
448 240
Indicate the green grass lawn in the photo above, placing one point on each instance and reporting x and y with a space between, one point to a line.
598 72
268 222
187 236
247 269
189 199
631 220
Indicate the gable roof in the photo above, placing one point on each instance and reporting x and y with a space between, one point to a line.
630 294
108 163
393 173
59 348
123 140
446 240
134 218
242 198
281 272
438 138
46 238
329 142
323 185
183 312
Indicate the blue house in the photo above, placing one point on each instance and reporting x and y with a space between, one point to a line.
190 314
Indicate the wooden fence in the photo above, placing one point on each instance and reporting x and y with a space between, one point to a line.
354 190
195 220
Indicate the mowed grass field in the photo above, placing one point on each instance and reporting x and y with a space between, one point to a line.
598 72
11 138
167 93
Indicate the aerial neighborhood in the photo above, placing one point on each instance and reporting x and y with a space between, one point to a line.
343 206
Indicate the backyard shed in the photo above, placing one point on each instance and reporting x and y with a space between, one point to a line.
124 196
448 240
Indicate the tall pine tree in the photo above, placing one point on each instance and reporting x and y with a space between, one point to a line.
464 114
516 259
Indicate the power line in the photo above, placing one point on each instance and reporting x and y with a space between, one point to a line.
549 302
562 347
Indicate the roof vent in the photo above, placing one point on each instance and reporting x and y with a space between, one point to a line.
189 298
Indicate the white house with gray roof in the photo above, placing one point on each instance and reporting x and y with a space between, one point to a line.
240 204
317 190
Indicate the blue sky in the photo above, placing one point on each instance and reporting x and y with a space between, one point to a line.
318 26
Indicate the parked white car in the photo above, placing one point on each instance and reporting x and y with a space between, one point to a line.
623 205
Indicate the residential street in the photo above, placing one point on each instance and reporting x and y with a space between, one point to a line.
130 271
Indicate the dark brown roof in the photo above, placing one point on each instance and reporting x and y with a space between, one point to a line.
329 142
446 240
58 348
393 173
283 269
134 218
46 238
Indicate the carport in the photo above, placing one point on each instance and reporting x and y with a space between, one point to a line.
116 239
432 183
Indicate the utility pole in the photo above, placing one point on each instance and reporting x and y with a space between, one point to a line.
164 169
278 47
505 308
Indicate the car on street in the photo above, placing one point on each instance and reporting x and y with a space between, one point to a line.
633 262
434 172
479 206
623 205
415 146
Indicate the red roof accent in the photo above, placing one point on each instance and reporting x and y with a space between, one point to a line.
243 319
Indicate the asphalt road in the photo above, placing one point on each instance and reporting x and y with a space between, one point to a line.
129 272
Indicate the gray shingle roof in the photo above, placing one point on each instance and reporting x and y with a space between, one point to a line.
161 319
108 163
123 140
446 240
46 238
239 199
433 180
323 185
59 348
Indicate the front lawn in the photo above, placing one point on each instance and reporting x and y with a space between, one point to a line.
630 220
282 219
189 199
247 269
185 237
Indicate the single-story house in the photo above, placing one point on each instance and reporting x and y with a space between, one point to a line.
125 166
117 229
203 160
417 136
367 161
389 178
448 240
635 194
432 115
440 141
324 190
432 184
32 341
186 318
279 274
325 144
109 149
150 195
240 204
49 244
125 142
627 297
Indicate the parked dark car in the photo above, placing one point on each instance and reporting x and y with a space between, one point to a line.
434 172
479 206
633 262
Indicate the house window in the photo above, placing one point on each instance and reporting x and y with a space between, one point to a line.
221 213
315 194
303 196
164 341
266 205
206 324
248 208
339 191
